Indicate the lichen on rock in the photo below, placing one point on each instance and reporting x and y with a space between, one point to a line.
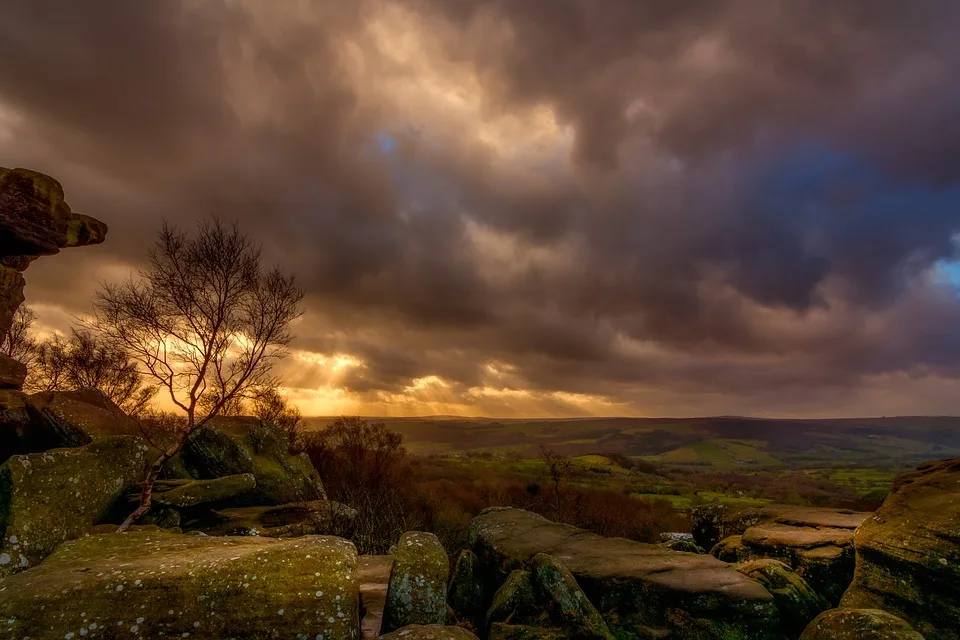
417 592
154 585
50 497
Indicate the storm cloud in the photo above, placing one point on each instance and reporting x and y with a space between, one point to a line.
515 208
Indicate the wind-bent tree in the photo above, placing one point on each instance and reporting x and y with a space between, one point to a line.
203 319
84 359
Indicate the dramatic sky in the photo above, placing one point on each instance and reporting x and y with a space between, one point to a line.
531 207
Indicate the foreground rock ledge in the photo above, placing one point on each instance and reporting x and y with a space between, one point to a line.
636 587
155 585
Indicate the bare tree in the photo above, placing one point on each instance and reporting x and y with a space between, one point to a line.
84 359
203 318
558 468
19 342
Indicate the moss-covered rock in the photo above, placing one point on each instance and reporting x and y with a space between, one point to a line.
567 606
75 418
796 601
631 584
191 493
859 624
465 593
515 602
417 593
284 521
429 632
156 585
233 445
50 497
908 553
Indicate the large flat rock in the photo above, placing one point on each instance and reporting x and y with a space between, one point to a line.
162 585
632 584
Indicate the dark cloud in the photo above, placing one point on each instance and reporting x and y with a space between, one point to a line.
681 206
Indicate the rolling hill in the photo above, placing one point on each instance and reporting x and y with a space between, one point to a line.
725 442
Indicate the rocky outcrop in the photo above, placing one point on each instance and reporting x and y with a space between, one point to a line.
908 553
859 624
714 522
284 521
34 220
233 445
74 418
47 498
417 593
637 588
429 632
796 601
816 543
156 585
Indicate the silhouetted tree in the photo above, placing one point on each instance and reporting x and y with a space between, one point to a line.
84 359
558 468
203 318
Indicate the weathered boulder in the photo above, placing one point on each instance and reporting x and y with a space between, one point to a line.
50 497
156 585
35 219
729 550
859 624
284 521
514 601
817 543
713 522
823 557
75 418
797 603
12 373
417 593
465 593
908 553
631 584
233 445
429 632
566 605
191 493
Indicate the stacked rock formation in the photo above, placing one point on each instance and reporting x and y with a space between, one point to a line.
35 221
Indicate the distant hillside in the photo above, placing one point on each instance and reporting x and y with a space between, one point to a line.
717 441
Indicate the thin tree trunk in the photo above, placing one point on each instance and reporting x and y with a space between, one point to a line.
146 494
